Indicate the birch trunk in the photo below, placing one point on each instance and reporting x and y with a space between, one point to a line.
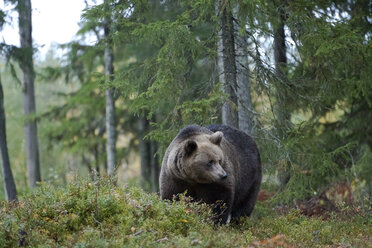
9 185
110 107
226 65
245 109
32 145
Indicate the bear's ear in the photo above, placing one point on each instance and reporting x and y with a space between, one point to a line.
190 147
216 138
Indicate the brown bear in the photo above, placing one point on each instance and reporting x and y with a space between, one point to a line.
218 165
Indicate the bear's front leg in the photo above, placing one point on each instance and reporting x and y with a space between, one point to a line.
221 201
222 211
170 188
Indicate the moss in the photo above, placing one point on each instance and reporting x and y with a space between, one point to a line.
100 214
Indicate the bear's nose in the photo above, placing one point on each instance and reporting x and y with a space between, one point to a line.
223 176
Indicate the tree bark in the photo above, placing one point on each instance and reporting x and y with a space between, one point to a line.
226 65
145 155
96 158
281 113
9 185
244 99
282 116
86 162
110 106
155 167
27 67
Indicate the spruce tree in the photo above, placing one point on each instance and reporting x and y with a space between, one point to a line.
26 63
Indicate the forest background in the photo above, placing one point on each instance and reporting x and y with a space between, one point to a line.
295 75
98 116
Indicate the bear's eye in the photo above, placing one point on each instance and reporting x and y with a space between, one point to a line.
210 163
220 161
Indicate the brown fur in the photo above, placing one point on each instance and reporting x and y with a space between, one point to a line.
217 164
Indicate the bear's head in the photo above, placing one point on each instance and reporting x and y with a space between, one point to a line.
202 159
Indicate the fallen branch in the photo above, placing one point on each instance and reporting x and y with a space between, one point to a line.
160 240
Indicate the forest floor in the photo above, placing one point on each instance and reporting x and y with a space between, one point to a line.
100 214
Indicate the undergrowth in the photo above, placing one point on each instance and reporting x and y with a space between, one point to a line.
100 214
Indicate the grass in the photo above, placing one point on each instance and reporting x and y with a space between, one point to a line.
100 214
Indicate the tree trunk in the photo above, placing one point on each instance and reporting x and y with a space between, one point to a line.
32 145
281 113
245 108
226 65
155 167
96 158
9 185
110 106
86 162
280 55
145 155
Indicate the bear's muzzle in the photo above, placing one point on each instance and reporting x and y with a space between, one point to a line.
223 176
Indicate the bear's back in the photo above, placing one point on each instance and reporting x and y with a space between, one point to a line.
242 142
191 130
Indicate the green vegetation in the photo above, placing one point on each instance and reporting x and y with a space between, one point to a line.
100 214
307 92
311 110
